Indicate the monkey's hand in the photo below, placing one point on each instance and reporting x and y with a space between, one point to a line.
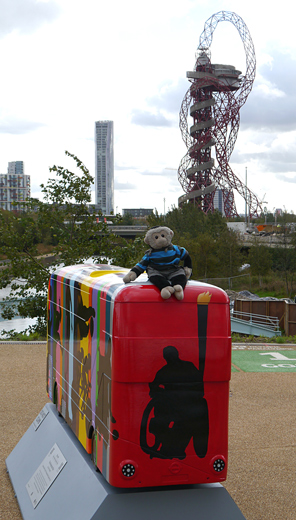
188 272
129 277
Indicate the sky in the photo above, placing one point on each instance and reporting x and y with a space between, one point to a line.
66 64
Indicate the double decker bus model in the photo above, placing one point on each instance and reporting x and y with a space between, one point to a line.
142 382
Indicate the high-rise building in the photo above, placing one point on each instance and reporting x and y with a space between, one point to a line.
15 187
218 201
104 174
15 168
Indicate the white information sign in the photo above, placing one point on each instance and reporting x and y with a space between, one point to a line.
45 475
40 418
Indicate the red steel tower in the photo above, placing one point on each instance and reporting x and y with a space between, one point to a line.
213 100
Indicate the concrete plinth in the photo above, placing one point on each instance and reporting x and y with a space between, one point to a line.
53 477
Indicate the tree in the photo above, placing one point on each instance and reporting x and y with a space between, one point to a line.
64 220
156 220
284 257
191 221
260 260
188 220
284 261
203 254
128 253
229 253
127 220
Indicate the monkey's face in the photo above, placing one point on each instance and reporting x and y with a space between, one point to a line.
159 237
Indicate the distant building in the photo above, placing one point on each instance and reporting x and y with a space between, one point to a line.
137 213
15 168
104 164
278 211
15 187
238 227
218 201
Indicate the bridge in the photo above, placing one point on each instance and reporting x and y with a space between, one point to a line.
127 231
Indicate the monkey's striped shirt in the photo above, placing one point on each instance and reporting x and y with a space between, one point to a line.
163 259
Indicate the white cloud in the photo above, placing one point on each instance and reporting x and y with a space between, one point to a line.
266 89
18 126
287 178
26 16
146 118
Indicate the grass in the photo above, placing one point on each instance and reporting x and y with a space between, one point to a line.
236 338
272 284
43 249
12 335
244 338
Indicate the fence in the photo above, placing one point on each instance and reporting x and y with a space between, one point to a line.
284 311
229 282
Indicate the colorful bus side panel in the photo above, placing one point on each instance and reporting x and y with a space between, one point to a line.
142 382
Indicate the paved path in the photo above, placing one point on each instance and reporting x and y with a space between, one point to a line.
262 454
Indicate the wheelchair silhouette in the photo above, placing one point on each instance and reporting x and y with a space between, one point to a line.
177 411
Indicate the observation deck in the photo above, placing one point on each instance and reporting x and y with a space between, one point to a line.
226 74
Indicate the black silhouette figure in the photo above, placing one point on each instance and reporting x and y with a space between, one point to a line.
54 317
84 318
180 410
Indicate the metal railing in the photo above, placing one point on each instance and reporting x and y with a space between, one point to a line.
270 322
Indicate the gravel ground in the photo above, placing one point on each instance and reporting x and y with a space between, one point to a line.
262 454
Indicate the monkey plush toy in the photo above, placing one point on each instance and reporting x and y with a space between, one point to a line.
161 262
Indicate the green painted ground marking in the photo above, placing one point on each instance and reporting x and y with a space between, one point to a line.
265 361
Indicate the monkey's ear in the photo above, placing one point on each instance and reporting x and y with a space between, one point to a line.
171 233
147 237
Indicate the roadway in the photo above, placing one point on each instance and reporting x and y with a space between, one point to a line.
268 240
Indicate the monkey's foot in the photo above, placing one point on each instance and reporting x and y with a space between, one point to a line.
178 292
167 292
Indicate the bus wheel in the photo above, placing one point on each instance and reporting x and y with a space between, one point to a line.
55 398
93 451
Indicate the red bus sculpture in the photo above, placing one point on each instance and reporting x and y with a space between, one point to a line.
142 382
